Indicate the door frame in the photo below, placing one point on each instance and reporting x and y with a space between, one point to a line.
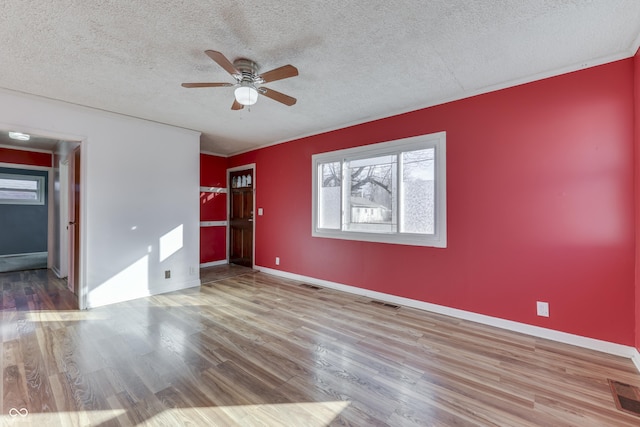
63 222
74 233
251 166
83 140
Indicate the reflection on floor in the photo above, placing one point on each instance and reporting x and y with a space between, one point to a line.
33 290
221 272
22 262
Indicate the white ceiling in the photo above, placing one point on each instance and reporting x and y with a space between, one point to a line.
36 142
358 60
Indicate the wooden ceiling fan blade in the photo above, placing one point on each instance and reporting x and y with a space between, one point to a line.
278 96
206 84
222 61
236 105
280 73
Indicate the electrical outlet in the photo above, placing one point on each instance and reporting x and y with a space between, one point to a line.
260 211
167 274
277 260
542 308
192 271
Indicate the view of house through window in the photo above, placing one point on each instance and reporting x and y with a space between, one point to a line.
392 192
21 189
371 205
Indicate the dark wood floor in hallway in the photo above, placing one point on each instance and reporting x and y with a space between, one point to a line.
253 349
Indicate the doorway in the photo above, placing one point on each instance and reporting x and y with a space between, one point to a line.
241 190
59 155
24 215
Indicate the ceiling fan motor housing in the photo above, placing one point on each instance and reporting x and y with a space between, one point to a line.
248 70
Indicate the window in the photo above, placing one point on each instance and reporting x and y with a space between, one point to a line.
21 189
392 192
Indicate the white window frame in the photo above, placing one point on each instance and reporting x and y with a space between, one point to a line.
39 179
437 141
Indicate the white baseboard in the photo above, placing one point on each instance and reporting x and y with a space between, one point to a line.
536 331
636 359
56 271
214 263
157 290
23 254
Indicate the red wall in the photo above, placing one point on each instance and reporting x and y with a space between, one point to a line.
23 157
637 193
213 207
540 206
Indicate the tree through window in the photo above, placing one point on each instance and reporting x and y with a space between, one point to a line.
391 192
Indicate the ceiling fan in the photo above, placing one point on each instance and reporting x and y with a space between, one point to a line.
245 72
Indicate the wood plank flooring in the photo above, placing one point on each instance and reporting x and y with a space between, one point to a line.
252 349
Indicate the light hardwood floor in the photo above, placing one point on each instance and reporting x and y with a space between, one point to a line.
258 350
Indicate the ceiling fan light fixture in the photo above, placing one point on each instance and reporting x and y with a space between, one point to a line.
246 94
19 136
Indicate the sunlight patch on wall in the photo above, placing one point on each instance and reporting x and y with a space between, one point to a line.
171 242
207 197
208 194
129 283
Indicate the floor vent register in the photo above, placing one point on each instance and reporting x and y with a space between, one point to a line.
385 304
627 397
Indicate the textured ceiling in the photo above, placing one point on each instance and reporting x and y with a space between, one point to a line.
358 60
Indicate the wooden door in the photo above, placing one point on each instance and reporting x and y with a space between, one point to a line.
241 218
74 221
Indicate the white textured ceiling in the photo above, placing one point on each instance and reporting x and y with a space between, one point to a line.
358 60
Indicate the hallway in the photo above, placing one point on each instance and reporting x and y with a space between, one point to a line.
33 290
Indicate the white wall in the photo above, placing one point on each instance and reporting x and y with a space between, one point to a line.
140 181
